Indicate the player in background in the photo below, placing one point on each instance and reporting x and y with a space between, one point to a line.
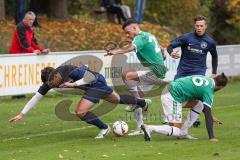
195 47
174 98
95 87
151 57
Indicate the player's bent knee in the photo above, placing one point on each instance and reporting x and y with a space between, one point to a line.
113 98
80 114
191 104
127 75
124 76
178 125
131 76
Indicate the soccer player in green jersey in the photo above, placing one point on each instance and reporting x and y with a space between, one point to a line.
177 94
151 57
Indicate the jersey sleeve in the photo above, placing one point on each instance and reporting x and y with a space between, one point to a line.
179 41
214 54
208 99
77 73
138 42
44 89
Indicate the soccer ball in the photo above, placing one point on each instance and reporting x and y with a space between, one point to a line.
120 128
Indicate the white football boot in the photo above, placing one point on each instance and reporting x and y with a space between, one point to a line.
103 133
136 132
147 132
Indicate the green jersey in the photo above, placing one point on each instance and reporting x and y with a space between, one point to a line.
149 53
193 88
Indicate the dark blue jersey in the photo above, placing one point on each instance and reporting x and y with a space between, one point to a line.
93 92
68 72
78 74
194 54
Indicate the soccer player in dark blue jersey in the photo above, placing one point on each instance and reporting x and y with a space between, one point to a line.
95 87
195 47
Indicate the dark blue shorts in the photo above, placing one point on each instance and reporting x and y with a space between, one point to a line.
98 90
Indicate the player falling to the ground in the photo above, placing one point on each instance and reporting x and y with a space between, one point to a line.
195 47
177 94
95 87
151 57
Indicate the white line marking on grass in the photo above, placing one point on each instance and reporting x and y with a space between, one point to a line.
227 106
45 134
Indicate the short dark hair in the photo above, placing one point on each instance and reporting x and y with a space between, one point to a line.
45 73
221 80
200 18
55 79
128 22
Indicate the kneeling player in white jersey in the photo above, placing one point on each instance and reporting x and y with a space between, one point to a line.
151 56
174 98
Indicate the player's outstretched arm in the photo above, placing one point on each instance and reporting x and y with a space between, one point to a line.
217 121
17 118
172 53
31 103
87 78
214 54
209 123
123 50
163 53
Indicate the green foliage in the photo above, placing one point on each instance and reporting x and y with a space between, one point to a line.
83 34
233 8
223 15
224 32
177 14
10 7
79 7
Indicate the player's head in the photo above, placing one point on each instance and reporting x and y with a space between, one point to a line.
45 73
55 79
29 18
220 81
200 25
131 28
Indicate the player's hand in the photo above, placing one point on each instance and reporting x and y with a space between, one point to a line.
17 118
213 75
213 140
46 51
109 53
217 121
175 54
38 52
163 54
68 85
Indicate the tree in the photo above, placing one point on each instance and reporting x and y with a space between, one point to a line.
176 14
233 8
2 9
226 15
58 9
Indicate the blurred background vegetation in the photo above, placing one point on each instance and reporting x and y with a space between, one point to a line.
80 29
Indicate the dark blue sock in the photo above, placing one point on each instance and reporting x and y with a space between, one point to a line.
128 99
92 119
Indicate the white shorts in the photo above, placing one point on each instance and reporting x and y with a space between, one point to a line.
171 108
147 80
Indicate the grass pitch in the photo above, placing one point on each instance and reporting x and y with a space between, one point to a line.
41 135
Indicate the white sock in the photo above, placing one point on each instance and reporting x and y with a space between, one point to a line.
138 117
165 129
132 87
192 116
